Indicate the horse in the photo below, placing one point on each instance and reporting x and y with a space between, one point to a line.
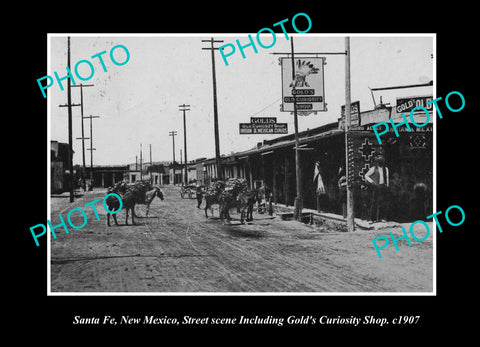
243 200
128 201
150 195
144 192
236 193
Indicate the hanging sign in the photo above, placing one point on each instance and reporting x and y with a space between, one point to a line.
407 104
307 86
354 113
263 128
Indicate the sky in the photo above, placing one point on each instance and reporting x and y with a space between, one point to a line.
138 102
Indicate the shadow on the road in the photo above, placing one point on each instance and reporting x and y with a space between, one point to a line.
238 232
75 195
127 225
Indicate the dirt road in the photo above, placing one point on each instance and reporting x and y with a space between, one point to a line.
176 249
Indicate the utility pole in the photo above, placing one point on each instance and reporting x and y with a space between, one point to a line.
83 138
172 134
141 163
298 204
350 220
215 111
181 170
184 108
150 163
69 106
91 149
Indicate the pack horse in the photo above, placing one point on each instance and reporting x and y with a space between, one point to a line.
232 193
140 192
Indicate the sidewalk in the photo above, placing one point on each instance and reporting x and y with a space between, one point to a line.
325 221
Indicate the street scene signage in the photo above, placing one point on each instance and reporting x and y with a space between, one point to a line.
406 104
263 125
354 113
309 84
263 120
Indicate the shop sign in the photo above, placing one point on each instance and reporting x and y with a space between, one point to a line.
307 86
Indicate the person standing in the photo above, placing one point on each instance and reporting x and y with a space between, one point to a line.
378 179
199 193
342 187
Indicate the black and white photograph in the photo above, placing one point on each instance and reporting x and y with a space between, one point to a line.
229 167
268 172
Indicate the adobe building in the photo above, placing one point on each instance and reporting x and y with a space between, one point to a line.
409 158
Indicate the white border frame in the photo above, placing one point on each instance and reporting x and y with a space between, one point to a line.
433 293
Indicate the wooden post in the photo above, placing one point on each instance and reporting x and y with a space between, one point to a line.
298 204
151 179
70 149
215 110
184 108
350 220
285 179
172 134
141 163
274 182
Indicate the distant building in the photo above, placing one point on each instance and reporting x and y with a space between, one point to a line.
59 167
107 175
175 173
157 172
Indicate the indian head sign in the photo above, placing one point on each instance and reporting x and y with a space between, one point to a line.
307 88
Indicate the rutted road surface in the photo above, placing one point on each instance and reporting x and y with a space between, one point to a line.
176 249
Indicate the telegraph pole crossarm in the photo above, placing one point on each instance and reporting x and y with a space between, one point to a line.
91 149
83 138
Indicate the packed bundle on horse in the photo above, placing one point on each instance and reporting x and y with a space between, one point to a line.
212 194
144 193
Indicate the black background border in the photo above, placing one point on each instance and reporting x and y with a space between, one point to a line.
455 182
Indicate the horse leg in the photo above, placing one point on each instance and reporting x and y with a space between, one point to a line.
133 212
227 214
114 218
224 215
133 220
108 219
242 216
221 214
126 218
250 212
